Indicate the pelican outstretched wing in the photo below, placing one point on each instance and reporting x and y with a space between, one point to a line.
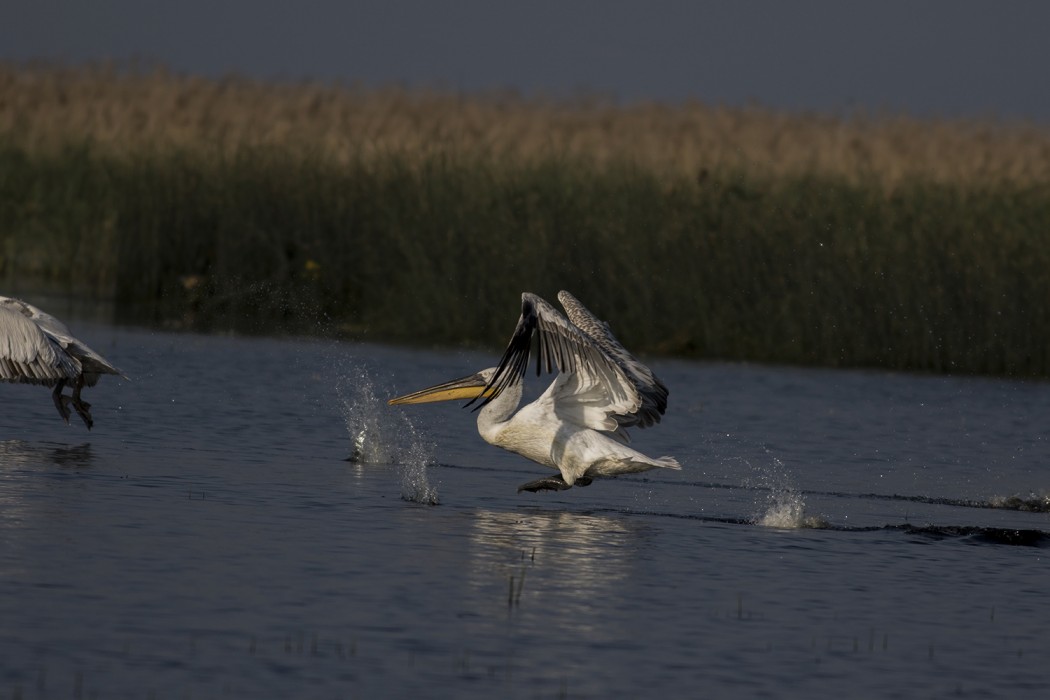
584 345
27 353
651 391
30 331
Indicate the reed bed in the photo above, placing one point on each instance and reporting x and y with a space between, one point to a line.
420 217
126 109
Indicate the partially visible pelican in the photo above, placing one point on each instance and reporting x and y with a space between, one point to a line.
578 426
37 348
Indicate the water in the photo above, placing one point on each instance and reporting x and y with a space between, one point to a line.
249 519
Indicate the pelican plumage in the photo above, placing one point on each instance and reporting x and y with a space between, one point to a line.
578 426
37 348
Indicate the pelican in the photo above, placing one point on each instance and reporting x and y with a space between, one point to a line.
37 348
578 426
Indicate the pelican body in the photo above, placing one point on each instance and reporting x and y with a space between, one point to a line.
37 348
578 426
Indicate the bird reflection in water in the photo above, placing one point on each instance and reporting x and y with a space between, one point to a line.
17 457
28 454
571 556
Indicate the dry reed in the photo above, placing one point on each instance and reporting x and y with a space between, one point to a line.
701 231
124 110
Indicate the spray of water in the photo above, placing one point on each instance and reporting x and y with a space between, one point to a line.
1031 503
415 486
381 436
787 511
785 507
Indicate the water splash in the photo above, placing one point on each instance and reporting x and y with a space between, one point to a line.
415 486
785 505
1032 503
788 512
369 426
382 436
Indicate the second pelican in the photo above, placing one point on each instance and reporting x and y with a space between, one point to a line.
37 348
578 425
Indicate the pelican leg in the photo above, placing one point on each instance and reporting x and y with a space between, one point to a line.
61 400
584 481
79 405
547 483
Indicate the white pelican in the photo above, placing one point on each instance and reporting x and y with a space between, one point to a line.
578 426
37 348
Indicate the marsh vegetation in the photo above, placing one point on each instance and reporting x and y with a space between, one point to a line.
700 231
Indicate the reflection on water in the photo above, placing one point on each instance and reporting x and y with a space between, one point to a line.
181 547
579 556
20 505
21 453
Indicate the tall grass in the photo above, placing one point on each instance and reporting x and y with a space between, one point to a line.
124 110
400 221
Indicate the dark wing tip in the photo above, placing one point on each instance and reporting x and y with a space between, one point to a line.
511 367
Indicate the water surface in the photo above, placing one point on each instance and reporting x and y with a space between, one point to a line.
831 534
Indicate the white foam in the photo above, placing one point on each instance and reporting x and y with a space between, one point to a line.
786 506
1033 502
788 512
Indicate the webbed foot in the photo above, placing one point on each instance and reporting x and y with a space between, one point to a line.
547 483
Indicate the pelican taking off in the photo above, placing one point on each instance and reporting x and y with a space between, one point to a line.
37 348
578 426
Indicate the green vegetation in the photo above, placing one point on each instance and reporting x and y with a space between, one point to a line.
909 267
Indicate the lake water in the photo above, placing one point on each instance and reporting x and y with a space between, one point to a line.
831 534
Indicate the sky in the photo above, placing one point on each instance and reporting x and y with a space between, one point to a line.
931 58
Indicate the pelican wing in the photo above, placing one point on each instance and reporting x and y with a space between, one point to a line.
27 353
652 392
607 383
89 363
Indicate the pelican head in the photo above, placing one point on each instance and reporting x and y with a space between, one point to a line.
471 387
